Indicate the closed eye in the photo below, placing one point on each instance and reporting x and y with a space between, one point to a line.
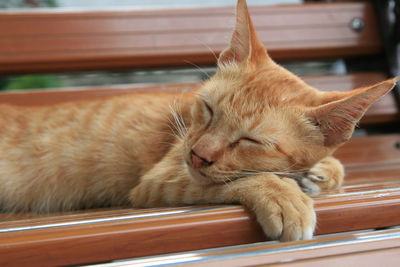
245 139
207 112
251 140
209 109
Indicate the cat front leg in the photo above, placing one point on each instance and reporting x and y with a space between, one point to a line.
281 208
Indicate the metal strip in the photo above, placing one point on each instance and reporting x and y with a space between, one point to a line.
112 219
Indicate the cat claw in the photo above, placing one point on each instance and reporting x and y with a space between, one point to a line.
308 187
318 178
306 181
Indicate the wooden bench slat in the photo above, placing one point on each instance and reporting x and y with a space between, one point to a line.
46 97
388 187
43 97
370 248
385 110
373 175
21 222
377 152
55 41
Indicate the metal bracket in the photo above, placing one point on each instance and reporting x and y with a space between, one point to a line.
388 12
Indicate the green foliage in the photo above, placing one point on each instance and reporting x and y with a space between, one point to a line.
48 3
3 83
32 82
22 3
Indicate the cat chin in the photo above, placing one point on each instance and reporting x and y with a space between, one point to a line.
198 177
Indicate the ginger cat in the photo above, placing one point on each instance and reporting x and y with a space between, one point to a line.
246 136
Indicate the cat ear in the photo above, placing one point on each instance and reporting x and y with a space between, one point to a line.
337 119
245 44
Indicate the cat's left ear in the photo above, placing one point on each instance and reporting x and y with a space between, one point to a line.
245 44
337 119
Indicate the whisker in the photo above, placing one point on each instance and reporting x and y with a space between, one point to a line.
198 67
208 47
180 128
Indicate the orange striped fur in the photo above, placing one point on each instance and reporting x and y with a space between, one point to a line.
254 134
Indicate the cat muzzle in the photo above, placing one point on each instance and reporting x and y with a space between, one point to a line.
198 177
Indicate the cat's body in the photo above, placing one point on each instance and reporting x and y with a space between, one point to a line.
88 154
81 154
244 137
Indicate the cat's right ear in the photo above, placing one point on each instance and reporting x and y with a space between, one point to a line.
245 44
337 119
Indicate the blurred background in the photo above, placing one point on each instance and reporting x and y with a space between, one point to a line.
137 76
140 4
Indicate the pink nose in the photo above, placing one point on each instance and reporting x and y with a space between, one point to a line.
199 161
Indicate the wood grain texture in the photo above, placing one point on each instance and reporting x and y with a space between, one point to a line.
94 236
59 41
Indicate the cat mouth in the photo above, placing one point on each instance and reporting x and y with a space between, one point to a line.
199 176
202 178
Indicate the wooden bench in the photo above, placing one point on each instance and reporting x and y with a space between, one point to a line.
54 41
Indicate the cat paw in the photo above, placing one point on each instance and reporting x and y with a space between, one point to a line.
287 215
325 175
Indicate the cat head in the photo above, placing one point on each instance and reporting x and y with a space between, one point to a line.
255 116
